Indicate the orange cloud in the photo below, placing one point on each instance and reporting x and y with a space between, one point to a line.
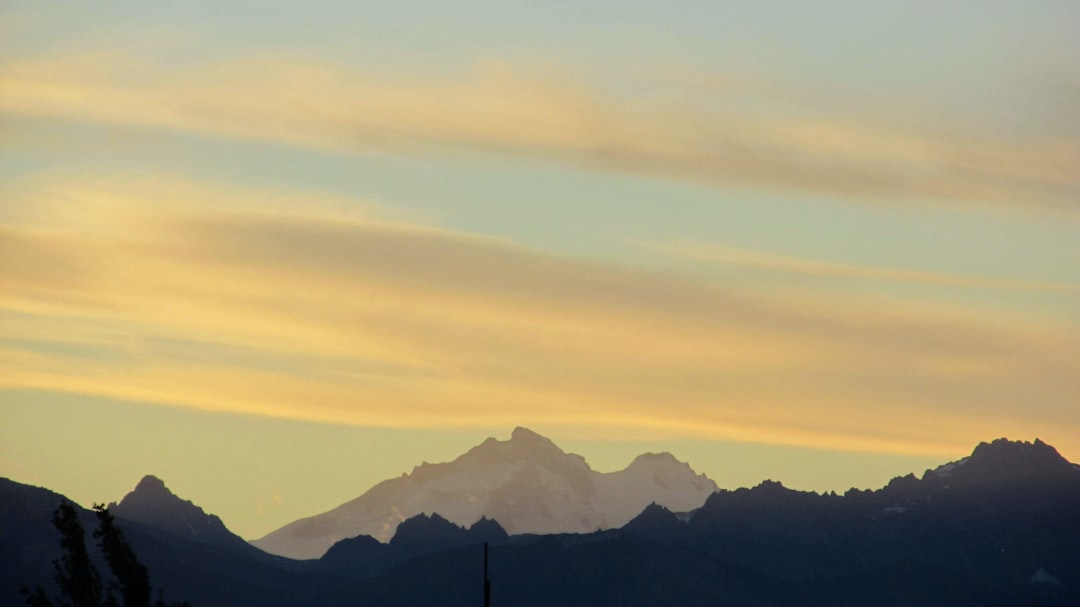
801 265
322 315
513 110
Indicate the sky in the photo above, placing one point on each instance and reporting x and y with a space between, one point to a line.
277 252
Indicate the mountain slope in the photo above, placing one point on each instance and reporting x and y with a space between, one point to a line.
363 557
1004 530
1006 512
526 483
181 565
153 505
995 529
28 540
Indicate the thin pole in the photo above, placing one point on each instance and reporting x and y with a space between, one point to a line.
487 581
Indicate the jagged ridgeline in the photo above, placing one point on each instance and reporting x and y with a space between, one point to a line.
1000 527
528 484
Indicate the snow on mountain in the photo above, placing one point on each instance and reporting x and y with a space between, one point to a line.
946 470
527 484
1004 462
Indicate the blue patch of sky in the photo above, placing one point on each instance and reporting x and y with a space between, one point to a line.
899 44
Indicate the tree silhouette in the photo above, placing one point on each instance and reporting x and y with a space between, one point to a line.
77 578
132 579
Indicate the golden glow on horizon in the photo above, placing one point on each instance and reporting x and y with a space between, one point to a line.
311 250
176 292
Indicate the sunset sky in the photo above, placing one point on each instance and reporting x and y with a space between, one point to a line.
274 252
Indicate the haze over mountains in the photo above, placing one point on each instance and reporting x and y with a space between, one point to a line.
527 484
998 528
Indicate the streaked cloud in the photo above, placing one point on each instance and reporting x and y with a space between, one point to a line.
815 267
524 111
166 290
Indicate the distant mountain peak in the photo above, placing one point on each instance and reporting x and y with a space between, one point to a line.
654 521
1003 463
527 483
1003 447
151 493
1008 456
152 503
524 445
523 434
426 527
149 483
654 509
485 523
150 487
523 440
662 458
771 486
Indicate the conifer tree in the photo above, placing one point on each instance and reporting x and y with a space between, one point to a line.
132 579
77 578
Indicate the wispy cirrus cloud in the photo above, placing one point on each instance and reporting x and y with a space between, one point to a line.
516 110
735 256
206 300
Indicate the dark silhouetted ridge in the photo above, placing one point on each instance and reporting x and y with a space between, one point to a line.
487 530
427 528
996 529
1004 465
656 522
436 530
152 504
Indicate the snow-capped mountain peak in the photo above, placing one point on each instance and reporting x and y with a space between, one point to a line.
527 484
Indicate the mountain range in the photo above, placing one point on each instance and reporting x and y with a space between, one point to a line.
1000 527
528 484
